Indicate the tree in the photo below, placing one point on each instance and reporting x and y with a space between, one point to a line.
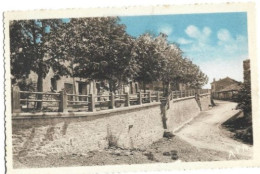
99 48
192 75
171 63
147 57
244 99
159 60
29 50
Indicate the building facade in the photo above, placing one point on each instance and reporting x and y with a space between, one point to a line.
225 89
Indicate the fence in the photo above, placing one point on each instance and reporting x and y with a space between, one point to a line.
64 102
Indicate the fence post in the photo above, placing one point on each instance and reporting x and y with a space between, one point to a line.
112 101
158 96
16 99
63 101
149 97
127 99
91 103
139 96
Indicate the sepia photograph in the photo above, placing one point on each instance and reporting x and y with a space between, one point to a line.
129 89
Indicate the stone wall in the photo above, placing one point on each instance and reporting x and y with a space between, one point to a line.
182 111
205 102
134 128
129 127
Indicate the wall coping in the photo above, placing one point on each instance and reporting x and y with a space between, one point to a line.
184 98
38 115
204 94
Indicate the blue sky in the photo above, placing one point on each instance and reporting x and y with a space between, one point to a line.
217 42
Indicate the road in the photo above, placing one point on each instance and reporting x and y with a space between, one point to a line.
205 132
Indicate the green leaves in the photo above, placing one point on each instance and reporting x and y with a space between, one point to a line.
98 48
30 51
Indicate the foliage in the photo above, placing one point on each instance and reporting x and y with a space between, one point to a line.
244 98
98 48
29 50
146 56
26 84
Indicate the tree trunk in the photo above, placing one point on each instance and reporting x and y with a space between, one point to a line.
39 89
144 86
75 98
163 88
167 89
111 86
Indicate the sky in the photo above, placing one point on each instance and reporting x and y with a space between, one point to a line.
217 42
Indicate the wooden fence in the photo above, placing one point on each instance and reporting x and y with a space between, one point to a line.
68 102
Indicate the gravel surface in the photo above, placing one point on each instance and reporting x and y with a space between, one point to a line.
206 131
164 150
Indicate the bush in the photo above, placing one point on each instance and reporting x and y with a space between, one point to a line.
244 99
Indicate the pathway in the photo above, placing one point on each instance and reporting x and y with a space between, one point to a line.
205 132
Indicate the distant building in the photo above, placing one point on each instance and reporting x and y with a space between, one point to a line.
225 85
225 88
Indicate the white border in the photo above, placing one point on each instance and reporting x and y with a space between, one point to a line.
157 10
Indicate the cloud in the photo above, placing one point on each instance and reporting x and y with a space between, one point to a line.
224 35
192 31
231 44
184 41
166 29
206 31
219 56
201 36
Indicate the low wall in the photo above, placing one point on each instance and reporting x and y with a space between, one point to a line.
205 102
129 127
136 127
182 111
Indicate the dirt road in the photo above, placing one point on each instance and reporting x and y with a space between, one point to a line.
205 132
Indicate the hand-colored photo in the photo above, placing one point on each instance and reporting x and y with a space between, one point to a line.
97 91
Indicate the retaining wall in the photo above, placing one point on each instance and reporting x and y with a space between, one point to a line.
136 127
183 110
180 112
129 127
205 102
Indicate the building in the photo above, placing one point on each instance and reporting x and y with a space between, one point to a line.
72 85
225 89
81 86
246 67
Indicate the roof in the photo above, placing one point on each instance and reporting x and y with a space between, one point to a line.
224 80
231 87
